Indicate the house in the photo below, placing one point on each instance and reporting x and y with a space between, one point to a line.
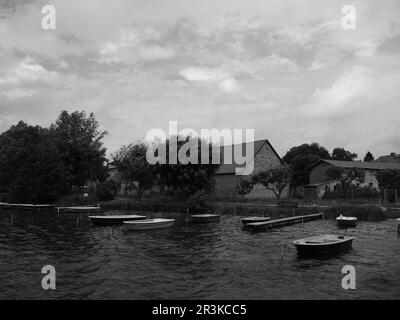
320 182
226 181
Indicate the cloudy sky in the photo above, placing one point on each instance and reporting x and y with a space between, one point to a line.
284 68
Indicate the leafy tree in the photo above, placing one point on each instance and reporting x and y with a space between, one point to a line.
276 180
388 179
343 155
368 157
300 158
134 169
31 168
346 177
245 186
80 143
186 179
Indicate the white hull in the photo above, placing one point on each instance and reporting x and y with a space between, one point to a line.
149 224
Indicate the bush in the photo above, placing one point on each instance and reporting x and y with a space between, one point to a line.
353 192
197 202
362 212
105 191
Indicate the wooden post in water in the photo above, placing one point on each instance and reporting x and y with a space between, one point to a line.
12 219
395 196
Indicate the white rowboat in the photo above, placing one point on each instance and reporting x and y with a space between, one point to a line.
149 224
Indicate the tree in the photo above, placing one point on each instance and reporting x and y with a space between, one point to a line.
368 157
300 158
135 171
388 179
80 143
343 155
245 186
276 180
186 179
31 168
346 177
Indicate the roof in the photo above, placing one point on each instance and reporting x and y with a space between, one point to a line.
230 168
370 165
389 158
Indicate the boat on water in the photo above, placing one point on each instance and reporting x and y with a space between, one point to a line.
149 224
323 244
205 218
247 220
346 222
114 219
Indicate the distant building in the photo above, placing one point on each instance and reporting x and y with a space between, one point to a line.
320 182
226 181
393 157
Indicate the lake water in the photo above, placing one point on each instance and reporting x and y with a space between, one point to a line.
190 261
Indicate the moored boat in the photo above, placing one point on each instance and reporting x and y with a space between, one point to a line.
114 219
247 220
346 222
205 218
148 224
323 244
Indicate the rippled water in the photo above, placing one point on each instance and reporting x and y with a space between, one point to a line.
190 261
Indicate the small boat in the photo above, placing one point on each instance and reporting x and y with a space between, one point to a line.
254 219
323 244
148 224
205 218
346 222
114 219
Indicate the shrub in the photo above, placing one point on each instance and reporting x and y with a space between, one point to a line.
362 212
105 191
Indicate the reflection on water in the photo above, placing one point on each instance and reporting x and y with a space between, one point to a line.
190 261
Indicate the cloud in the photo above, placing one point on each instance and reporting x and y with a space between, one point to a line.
285 68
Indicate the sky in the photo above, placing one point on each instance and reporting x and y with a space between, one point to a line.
285 68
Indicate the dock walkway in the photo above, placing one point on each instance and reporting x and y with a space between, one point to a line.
266 225
26 206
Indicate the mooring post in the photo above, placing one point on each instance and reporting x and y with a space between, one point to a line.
77 221
12 219
282 252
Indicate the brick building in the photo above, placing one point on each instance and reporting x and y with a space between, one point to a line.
226 181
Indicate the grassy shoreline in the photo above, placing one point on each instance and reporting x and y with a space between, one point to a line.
364 212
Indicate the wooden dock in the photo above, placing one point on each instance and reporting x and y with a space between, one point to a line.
78 209
266 225
25 206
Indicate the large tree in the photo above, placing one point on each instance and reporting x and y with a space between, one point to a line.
343 155
135 171
300 158
31 168
346 177
368 157
80 141
186 178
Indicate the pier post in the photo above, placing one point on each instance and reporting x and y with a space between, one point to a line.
12 219
395 196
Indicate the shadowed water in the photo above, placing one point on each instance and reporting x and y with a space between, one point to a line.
190 261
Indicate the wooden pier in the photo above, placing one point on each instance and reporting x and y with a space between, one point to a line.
25 206
78 209
266 225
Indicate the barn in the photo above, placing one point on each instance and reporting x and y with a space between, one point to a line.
226 181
